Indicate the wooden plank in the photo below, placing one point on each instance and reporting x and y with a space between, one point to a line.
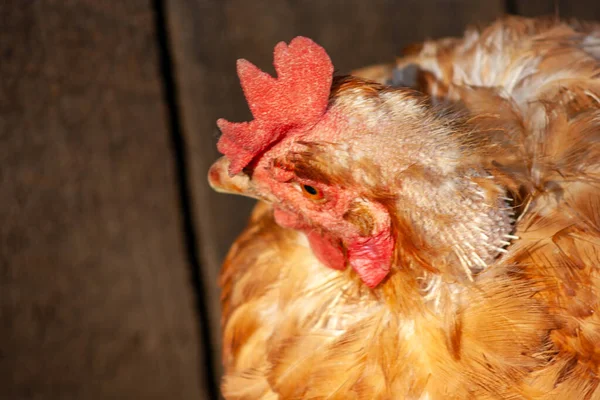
209 35
581 9
95 293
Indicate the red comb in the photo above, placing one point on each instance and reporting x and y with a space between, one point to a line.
297 97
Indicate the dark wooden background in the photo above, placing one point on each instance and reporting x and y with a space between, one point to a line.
110 238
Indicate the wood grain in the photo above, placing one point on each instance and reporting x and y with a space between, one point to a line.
581 9
95 294
207 36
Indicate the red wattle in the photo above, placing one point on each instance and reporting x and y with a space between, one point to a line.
327 250
370 257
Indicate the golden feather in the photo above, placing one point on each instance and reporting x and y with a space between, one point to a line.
527 326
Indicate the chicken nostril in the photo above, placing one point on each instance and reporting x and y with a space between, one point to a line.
248 171
221 181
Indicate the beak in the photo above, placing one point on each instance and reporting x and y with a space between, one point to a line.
219 180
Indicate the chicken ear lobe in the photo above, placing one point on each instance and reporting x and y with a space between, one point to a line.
371 256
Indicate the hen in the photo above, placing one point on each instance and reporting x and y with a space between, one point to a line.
439 242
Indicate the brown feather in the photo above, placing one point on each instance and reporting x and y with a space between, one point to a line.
525 97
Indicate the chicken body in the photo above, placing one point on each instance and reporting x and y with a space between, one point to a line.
487 186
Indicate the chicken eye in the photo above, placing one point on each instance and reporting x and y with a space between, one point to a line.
312 192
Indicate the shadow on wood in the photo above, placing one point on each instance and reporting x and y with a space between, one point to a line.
95 294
